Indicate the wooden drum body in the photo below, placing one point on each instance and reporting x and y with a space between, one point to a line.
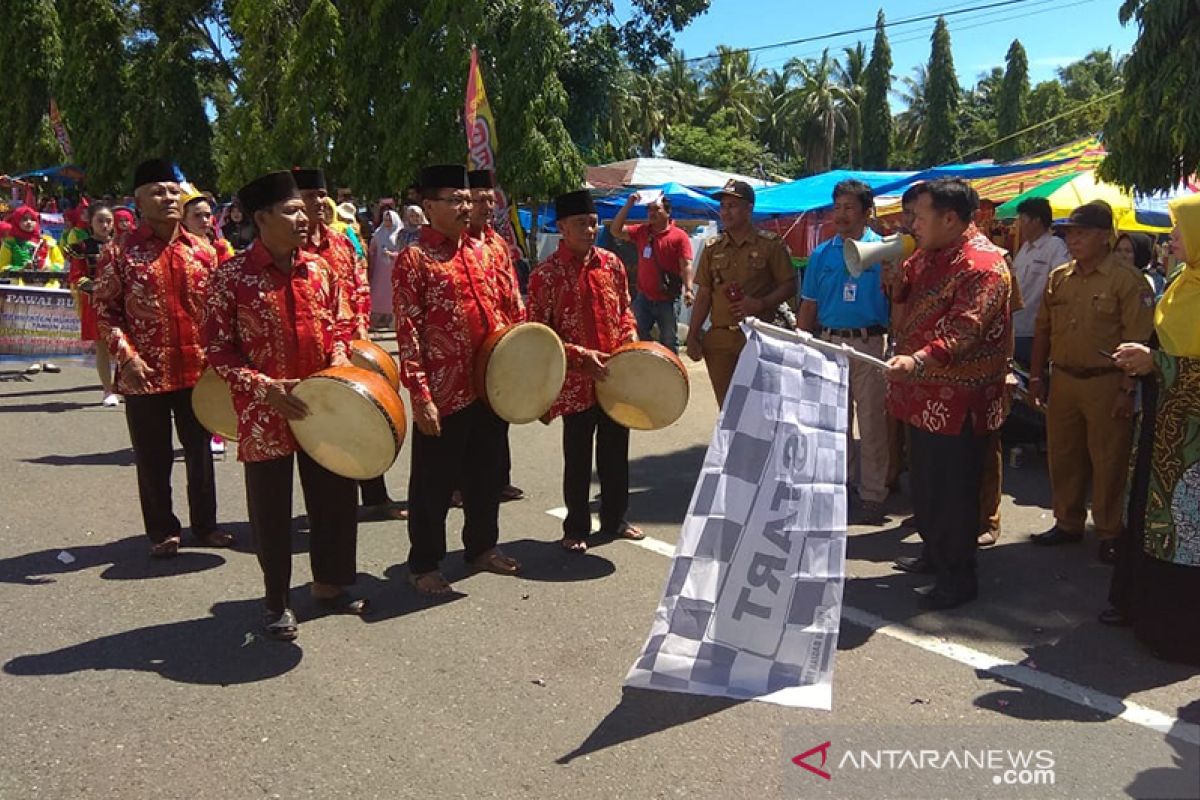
370 356
355 424
212 402
646 388
519 371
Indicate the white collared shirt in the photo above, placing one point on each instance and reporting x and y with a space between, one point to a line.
1030 269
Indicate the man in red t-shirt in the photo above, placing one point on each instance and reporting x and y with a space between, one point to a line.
664 269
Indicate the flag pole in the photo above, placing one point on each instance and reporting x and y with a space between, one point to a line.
806 338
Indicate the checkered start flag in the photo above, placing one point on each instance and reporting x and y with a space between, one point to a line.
754 594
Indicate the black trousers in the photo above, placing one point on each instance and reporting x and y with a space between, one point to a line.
331 503
467 456
149 419
374 491
505 464
612 464
945 472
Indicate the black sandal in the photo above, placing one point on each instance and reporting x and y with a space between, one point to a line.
344 603
281 627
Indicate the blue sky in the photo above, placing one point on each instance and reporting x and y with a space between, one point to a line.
1054 32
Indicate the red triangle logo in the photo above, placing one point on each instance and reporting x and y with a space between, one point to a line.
823 749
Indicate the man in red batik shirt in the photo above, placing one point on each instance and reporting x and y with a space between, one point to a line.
338 252
946 383
664 268
276 315
583 294
491 248
446 303
149 296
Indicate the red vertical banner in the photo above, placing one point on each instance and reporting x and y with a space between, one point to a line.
60 130
482 146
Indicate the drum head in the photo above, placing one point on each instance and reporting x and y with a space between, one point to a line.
370 356
645 390
346 431
213 405
525 373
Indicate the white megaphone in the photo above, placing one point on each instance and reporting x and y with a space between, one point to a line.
861 256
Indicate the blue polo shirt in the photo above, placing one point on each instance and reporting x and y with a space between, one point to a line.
844 301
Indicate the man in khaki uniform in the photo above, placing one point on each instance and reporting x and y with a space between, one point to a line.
743 272
1091 305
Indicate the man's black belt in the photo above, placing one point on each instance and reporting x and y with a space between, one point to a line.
1083 373
855 333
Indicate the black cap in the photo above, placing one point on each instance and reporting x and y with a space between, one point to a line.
1096 215
266 191
155 170
737 189
572 203
309 178
444 176
481 179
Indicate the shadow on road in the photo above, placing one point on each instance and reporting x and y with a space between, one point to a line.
213 650
53 407
126 560
643 712
1184 779
44 392
113 458
661 485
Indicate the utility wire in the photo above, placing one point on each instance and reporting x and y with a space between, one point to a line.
1035 126
850 31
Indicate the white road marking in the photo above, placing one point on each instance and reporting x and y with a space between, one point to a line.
1009 671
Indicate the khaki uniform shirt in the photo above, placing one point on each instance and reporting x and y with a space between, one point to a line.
760 263
1086 314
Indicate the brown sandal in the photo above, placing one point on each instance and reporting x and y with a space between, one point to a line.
496 562
166 548
216 538
431 583
573 545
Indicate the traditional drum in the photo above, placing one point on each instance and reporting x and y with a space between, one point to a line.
370 356
355 423
519 371
213 405
646 388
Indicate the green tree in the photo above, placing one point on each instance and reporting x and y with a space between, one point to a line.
732 84
977 115
939 139
1046 101
646 34
1153 135
1013 103
32 48
310 117
718 145
680 89
778 128
851 75
821 103
911 122
876 112
1085 82
92 91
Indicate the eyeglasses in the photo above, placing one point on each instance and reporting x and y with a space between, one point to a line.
455 199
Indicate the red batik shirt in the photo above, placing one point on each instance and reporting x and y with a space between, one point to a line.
446 302
586 301
264 326
149 297
338 252
957 318
497 259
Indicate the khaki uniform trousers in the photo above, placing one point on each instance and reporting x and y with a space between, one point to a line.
722 347
868 389
991 484
1087 445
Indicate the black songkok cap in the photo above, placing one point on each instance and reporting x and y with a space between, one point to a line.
266 191
444 176
481 179
156 170
309 178
572 203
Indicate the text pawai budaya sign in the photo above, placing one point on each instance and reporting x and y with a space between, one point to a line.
35 321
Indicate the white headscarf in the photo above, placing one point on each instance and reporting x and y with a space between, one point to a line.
388 235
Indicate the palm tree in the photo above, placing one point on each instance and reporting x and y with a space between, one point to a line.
777 125
679 89
910 123
649 125
850 78
821 103
731 84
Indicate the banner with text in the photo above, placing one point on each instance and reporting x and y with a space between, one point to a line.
754 594
39 322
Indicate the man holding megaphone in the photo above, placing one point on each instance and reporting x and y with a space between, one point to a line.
842 301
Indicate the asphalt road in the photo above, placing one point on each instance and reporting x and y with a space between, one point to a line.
127 678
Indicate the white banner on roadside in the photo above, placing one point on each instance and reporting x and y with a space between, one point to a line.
754 595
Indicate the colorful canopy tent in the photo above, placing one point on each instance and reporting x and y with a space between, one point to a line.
1070 159
637 172
66 174
1071 191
